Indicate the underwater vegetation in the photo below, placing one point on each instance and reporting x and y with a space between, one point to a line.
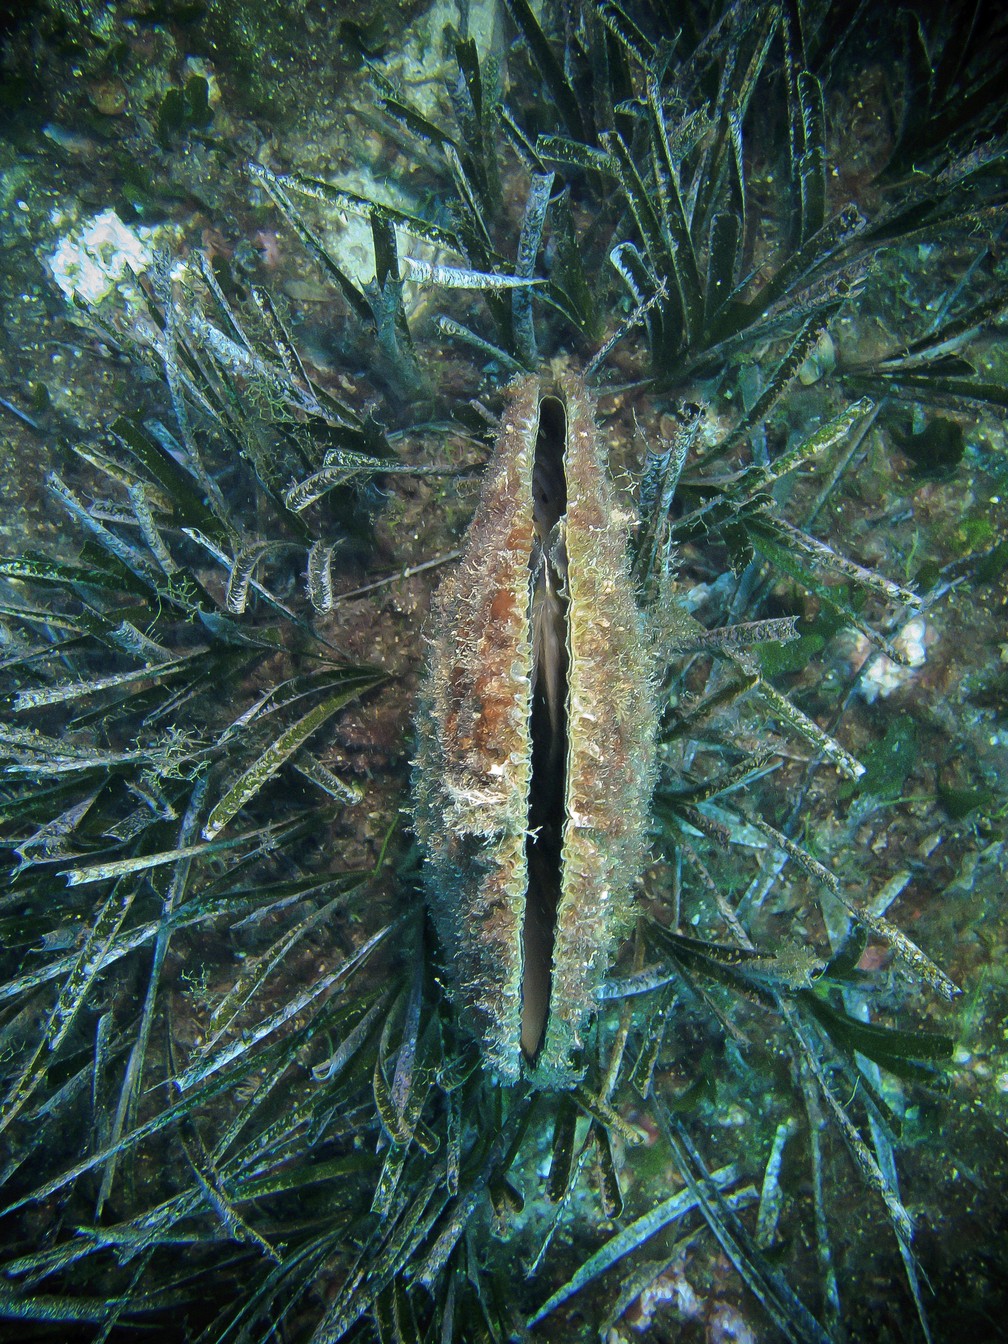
295 1049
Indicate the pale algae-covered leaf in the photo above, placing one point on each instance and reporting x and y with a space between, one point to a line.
642 1071
312 244
133 1076
857 1006
399 1105
281 695
674 218
904 948
638 316
233 1224
250 981
529 242
449 327
799 722
628 1240
480 243
100 872
812 166
275 1137
52 838
745 771
206 1063
468 1200
813 255
771 1194
824 556
54 1307
41 696
181 388
415 122
262 770
240 574
634 271
283 344
559 1181
610 1194
380 1261
549 67
639 982
519 141
573 153
780 381
663 466
296 1176
240 358
39 616
120 946
72 999
807 449
622 27
319 577
786 553
123 551
457 277
866 1161
604 1113
641 203
743 635
128 638
399 1149
345 468
354 1039
722 265
323 778
162 1120
826 1264
348 202
771 1289
158 453
214 620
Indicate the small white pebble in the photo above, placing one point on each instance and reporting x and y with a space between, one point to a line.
883 676
91 261
734 1117
727 1325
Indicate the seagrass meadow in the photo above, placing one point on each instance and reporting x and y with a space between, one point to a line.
504 669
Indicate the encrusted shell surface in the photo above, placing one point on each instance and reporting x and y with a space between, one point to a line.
473 765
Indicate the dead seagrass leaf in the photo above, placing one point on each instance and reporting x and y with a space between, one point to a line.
535 741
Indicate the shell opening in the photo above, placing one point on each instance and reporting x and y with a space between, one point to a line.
547 801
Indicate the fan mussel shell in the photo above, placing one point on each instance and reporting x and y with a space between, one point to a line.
535 741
